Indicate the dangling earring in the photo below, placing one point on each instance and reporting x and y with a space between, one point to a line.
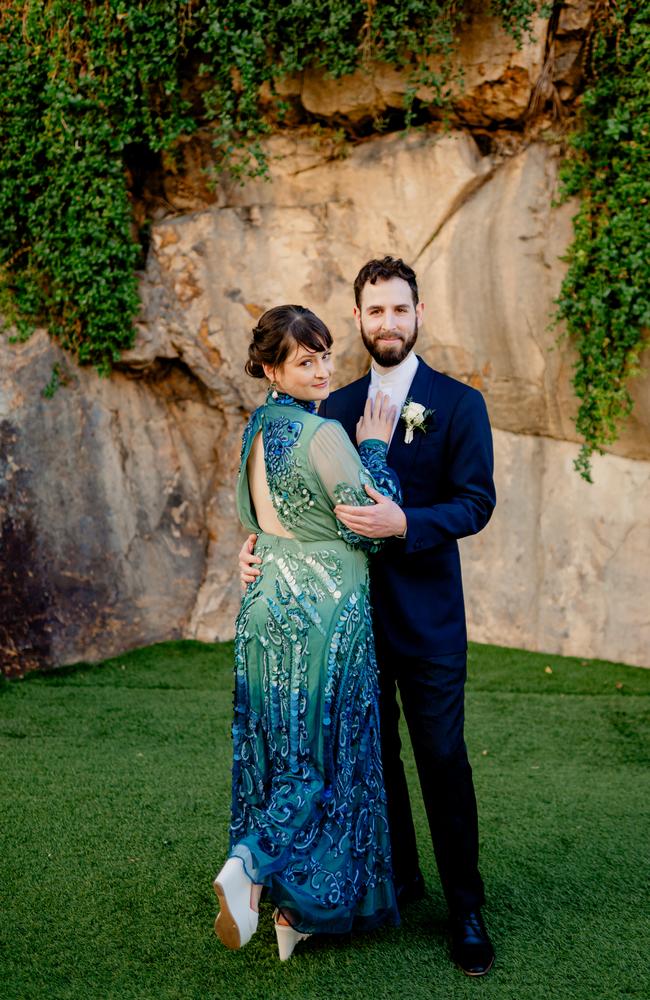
274 389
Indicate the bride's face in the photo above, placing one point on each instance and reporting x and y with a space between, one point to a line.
306 374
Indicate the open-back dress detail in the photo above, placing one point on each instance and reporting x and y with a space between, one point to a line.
308 803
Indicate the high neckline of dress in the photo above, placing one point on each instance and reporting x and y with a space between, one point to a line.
284 399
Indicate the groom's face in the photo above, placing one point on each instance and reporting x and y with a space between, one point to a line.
388 320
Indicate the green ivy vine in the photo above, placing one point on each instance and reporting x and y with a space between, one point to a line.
91 87
605 297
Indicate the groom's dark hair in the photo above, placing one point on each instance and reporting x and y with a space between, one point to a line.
384 270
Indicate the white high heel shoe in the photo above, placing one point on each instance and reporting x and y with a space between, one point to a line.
287 937
236 922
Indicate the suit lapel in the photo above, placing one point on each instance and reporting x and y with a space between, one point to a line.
355 406
401 456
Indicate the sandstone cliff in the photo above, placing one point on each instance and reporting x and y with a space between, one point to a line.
116 496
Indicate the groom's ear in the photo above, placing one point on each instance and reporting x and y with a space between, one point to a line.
356 312
419 309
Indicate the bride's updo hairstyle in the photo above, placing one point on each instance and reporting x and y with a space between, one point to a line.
279 331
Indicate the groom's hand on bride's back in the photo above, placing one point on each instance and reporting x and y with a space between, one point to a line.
383 519
248 561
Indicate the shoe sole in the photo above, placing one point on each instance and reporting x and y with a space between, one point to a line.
476 975
225 926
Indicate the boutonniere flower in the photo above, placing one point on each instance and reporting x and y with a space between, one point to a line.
415 416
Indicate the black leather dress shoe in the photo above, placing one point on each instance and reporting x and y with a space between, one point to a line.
471 948
411 891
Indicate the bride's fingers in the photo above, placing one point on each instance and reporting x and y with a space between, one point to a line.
388 409
382 403
382 411
378 416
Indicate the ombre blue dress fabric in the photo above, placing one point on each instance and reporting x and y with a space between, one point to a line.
309 814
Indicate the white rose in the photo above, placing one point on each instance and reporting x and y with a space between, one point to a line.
413 413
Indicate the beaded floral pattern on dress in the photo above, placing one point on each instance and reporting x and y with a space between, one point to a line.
338 802
373 457
290 494
308 802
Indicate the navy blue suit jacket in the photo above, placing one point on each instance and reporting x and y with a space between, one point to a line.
446 478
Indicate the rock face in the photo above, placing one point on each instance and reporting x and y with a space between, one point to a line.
497 78
102 495
495 82
562 566
481 232
117 516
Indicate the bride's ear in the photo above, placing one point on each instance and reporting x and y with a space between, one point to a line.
269 372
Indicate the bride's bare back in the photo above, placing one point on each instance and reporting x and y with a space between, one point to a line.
259 490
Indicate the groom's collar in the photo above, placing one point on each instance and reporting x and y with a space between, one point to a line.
398 377
357 392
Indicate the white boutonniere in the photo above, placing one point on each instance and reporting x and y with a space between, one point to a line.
415 416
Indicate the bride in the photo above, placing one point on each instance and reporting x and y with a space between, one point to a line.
308 803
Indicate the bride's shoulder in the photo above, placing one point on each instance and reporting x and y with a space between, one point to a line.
330 435
329 425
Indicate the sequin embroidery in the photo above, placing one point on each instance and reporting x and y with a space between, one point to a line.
308 802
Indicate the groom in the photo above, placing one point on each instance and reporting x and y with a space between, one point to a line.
442 453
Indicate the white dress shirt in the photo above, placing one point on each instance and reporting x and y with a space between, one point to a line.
395 382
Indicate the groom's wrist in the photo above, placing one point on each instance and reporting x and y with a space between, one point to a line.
402 530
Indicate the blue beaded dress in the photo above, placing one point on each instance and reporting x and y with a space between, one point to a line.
308 802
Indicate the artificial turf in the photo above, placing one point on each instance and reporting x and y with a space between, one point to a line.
115 801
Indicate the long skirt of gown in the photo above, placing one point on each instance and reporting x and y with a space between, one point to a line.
308 803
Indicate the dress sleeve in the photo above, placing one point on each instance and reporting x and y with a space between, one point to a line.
343 473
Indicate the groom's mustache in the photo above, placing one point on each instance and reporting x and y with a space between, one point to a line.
393 334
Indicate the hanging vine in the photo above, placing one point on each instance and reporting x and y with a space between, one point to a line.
86 86
91 87
605 297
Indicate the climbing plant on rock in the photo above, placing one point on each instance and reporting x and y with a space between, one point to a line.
605 297
88 88
82 83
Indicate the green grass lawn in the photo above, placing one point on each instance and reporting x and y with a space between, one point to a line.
115 800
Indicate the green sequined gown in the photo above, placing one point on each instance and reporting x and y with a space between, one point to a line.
308 803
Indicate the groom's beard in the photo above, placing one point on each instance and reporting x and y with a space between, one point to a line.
390 355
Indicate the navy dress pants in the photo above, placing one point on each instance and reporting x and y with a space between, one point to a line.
433 700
